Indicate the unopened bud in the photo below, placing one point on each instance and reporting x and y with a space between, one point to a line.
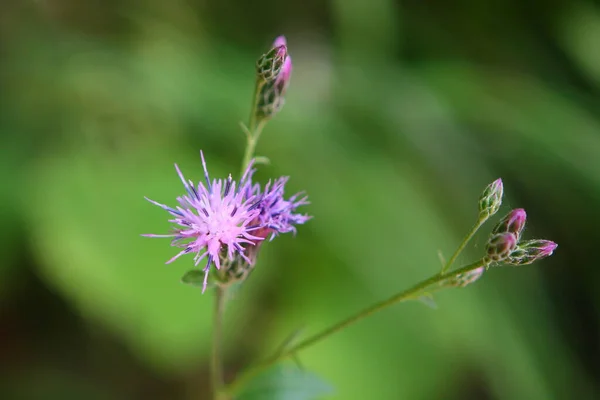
269 65
500 246
272 94
513 222
491 199
466 278
531 251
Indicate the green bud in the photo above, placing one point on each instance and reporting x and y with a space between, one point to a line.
466 278
269 65
491 199
531 251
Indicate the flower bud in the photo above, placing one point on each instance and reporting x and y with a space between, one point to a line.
465 279
513 222
531 251
491 199
269 65
271 98
500 246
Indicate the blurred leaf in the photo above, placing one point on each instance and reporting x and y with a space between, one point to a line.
194 277
580 33
428 300
12 155
86 214
285 383
262 160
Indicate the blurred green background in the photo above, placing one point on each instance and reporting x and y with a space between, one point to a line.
398 115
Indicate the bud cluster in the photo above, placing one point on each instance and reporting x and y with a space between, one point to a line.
504 243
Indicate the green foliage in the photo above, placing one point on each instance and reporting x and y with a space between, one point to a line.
194 277
285 383
391 138
87 241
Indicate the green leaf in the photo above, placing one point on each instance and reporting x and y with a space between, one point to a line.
285 383
194 277
428 300
262 160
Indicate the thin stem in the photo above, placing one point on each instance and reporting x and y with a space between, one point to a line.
251 144
255 127
257 88
408 294
215 365
462 245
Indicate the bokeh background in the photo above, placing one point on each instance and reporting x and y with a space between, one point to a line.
398 114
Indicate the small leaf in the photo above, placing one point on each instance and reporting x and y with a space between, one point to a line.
245 129
285 383
428 300
290 340
262 160
194 277
441 258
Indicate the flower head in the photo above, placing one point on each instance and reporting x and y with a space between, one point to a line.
225 223
212 221
276 213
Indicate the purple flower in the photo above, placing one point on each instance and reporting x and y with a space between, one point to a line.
225 223
212 221
276 213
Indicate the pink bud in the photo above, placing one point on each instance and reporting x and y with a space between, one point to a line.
531 251
280 41
283 79
500 246
546 248
513 222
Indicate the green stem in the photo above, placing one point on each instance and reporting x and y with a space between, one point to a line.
254 130
215 364
255 127
408 294
462 245
251 145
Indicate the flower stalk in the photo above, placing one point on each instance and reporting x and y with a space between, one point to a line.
435 282
463 244
489 203
216 368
